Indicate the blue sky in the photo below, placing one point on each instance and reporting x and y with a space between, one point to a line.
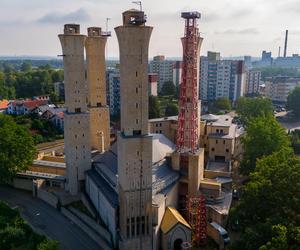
232 27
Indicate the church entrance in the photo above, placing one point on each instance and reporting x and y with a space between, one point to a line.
177 244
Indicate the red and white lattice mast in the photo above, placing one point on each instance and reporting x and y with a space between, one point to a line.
188 131
188 118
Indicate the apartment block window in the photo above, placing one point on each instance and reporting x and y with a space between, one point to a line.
77 110
127 228
143 225
216 141
213 149
132 227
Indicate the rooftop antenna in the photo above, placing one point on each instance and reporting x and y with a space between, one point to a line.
138 3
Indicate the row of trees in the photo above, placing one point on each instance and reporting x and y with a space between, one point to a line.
267 215
28 82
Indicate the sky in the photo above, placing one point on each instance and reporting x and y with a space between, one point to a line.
232 27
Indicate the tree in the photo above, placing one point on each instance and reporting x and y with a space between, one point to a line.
223 103
171 109
48 245
293 101
268 212
15 233
248 108
264 137
26 66
168 88
154 107
16 148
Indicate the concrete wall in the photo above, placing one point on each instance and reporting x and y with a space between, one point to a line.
108 214
92 224
167 128
47 197
25 184
86 229
54 159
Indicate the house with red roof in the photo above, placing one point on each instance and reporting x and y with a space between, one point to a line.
3 106
23 107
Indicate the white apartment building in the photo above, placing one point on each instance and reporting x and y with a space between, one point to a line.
221 78
167 70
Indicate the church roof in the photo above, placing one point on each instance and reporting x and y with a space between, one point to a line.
171 218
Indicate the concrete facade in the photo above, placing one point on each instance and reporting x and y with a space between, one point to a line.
221 78
253 82
278 88
76 132
99 111
134 142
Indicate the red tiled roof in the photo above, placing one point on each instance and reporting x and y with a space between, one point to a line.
34 103
4 104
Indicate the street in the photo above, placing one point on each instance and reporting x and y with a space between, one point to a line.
47 220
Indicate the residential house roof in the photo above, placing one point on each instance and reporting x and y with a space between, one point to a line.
3 104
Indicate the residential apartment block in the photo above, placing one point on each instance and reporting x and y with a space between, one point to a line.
167 70
113 90
221 78
252 82
278 88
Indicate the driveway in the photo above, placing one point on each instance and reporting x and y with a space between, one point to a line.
47 220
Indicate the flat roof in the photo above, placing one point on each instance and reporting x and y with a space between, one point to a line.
163 119
224 206
49 164
42 175
217 166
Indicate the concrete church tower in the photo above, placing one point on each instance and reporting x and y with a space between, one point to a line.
99 111
76 119
134 141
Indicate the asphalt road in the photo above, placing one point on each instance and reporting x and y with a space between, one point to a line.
47 220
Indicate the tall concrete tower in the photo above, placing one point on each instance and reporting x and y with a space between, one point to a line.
76 126
134 141
99 111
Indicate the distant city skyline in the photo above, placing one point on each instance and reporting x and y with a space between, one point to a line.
231 27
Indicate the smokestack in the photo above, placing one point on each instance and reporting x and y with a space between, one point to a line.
285 43
279 51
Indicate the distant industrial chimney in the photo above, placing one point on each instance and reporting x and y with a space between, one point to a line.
285 43
279 51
